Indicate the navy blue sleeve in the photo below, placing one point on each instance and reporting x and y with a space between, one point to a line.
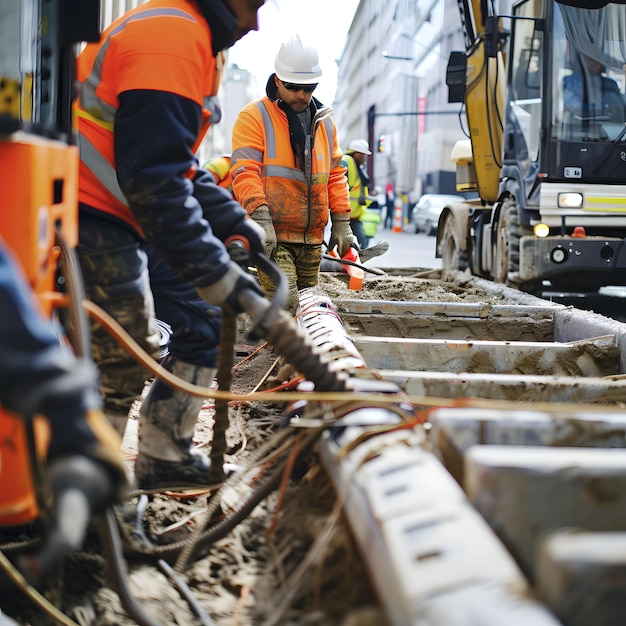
185 220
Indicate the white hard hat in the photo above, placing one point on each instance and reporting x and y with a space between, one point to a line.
297 62
359 145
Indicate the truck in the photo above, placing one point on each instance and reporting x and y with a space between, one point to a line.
543 89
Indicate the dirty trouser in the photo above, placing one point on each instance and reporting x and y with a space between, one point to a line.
301 264
125 277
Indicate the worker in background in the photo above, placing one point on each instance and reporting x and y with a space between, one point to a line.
588 92
220 170
152 223
41 378
287 172
358 181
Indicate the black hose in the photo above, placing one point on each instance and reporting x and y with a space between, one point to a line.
113 553
371 270
205 538
196 608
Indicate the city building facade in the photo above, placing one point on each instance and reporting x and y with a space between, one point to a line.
392 90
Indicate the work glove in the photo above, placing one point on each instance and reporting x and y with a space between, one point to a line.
225 292
340 233
86 476
253 232
261 215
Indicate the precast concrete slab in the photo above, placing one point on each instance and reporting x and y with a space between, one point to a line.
498 357
510 387
447 320
453 431
432 558
582 576
525 492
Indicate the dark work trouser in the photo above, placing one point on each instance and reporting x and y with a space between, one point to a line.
125 277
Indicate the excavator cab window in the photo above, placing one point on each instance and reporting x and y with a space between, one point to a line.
588 69
526 73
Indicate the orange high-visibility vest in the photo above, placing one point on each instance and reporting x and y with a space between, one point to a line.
162 45
264 172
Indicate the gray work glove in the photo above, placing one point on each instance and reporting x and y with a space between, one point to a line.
225 292
340 233
261 215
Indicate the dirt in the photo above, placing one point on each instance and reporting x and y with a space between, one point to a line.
410 288
252 575
268 569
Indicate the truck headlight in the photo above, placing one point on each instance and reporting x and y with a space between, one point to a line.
570 200
541 230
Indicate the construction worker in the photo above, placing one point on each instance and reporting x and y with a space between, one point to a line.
287 172
358 181
41 378
220 169
152 223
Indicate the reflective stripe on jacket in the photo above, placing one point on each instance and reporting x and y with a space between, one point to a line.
356 190
162 45
264 172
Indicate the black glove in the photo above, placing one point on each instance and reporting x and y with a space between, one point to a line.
253 232
225 292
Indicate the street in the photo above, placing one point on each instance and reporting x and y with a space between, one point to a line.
406 249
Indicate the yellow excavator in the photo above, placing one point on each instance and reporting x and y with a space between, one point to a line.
543 84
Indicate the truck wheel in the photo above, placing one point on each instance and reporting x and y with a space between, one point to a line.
506 257
452 257
506 254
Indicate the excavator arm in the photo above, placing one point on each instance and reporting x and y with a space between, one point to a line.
483 91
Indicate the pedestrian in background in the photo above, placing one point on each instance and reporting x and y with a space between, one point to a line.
390 201
153 223
364 224
287 171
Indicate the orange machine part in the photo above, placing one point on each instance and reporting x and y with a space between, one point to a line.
18 494
355 274
39 182
39 186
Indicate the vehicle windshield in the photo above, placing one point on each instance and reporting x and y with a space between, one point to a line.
589 60
588 66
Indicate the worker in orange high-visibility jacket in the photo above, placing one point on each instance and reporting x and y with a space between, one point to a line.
220 170
152 223
287 172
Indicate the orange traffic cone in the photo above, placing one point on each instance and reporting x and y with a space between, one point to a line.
397 216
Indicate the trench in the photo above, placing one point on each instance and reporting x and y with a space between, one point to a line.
528 443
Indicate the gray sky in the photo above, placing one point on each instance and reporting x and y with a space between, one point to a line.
324 23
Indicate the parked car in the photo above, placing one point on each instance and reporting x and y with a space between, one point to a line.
426 211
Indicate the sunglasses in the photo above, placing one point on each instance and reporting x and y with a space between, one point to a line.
295 87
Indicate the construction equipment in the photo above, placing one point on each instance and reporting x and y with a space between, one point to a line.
548 164
38 178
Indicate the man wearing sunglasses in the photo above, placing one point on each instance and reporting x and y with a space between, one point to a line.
287 171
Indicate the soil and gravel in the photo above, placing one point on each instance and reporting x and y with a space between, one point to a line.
271 568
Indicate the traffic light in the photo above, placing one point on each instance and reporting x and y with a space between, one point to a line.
381 144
